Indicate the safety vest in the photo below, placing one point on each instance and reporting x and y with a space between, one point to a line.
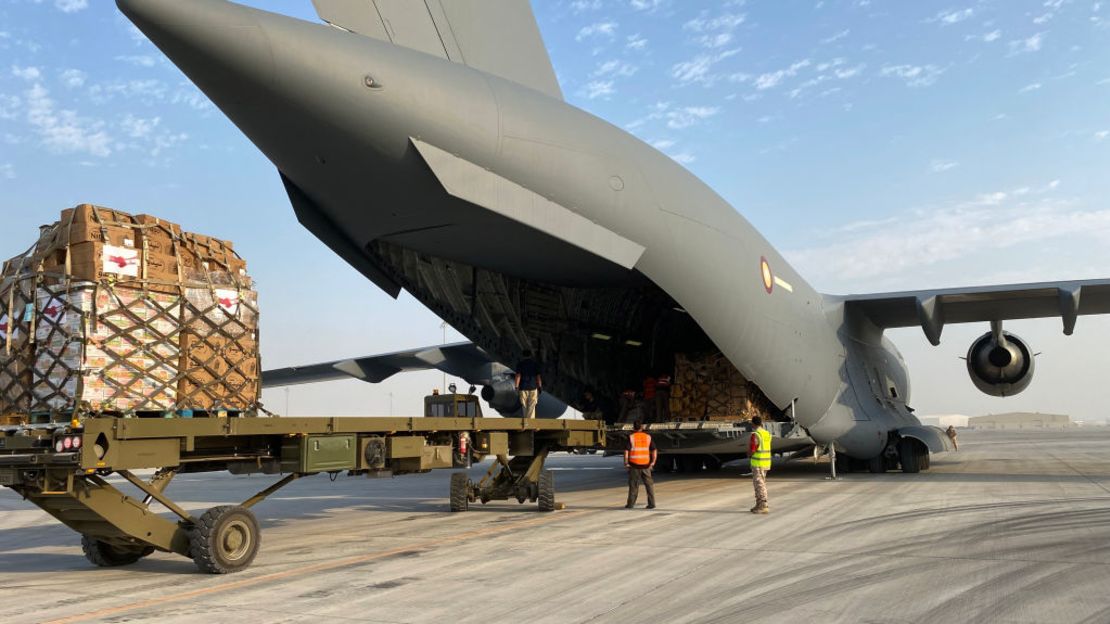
761 458
640 455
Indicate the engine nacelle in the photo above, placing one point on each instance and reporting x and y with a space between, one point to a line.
1000 367
503 397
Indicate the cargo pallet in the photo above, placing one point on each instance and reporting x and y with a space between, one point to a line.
62 468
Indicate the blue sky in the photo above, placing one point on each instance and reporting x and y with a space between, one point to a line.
881 145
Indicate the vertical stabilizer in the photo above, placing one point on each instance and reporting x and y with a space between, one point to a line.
499 37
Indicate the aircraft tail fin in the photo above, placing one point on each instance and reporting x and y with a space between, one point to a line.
499 37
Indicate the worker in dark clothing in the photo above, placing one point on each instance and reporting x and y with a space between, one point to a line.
589 407
529 384
648 407
639 459
627 406
663 398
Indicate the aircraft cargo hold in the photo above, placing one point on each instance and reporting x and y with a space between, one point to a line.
120 314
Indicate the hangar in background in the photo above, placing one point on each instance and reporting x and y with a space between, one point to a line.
945 420
1020 420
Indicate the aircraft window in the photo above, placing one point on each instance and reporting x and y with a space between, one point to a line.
894 392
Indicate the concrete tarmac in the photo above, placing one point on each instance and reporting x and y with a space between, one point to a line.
1015 527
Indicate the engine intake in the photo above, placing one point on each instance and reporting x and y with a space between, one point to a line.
502 396
1000 364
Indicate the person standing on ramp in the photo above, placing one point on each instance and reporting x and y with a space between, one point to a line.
639 459
529 384
759 450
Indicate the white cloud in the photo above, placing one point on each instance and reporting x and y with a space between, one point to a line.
635 42
953 16
138 60
73 78
913 75
138 128
614 67
725 21
1030 87
992 36
687 116
71 6
1101 135
698 68
580 6
606 29
26 73
62 130
7 171
837 37
599 88
933 235
940 165
662 144
9 106
683 158
772 79
1030 44
646 5
715 40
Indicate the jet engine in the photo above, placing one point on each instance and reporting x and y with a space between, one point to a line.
502 396
1000 363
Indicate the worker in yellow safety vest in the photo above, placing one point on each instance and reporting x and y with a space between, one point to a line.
759 452
639 459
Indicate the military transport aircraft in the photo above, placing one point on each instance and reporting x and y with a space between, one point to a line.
428 144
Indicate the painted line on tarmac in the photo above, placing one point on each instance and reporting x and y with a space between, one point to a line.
319 567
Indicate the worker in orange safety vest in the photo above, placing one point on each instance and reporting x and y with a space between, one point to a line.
639 459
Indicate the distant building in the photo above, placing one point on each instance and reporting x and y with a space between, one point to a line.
1020 420
945 420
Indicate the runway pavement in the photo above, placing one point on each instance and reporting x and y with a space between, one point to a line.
1015 527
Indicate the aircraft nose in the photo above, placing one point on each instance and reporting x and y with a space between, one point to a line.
221 46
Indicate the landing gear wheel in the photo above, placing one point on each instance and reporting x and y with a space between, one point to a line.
876 465
547 491
844 464
460 486
909 455
925 460
712 464
108 555
225 539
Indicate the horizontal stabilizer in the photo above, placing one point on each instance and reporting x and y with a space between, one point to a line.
933 309
499 37
463 359
481 187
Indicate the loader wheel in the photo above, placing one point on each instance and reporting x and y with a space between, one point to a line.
909 455
108 555
225 539
547 491
460 484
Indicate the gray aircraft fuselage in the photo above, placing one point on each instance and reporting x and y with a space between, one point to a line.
348 119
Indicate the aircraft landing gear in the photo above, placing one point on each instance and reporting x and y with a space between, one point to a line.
913 455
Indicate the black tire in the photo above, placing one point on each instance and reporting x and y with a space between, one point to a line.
909 455
926 460
108 555
225 539
690 463
876 465
460 484
546 489
713 464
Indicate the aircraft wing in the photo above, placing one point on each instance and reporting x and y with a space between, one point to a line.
498 37
932 309
461 359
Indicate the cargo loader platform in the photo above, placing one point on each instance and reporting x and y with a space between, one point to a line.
62 468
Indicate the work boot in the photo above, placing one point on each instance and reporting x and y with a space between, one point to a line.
761 508
651 506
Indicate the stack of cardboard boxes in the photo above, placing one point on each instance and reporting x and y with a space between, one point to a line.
111 312
708 387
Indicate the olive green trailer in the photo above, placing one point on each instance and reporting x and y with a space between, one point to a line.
62 468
